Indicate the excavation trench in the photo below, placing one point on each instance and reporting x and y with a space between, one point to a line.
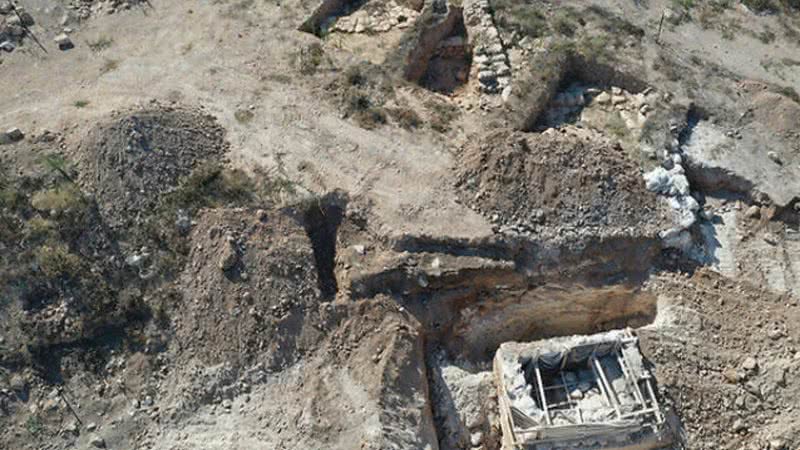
469 325
471 297
321 219
543 91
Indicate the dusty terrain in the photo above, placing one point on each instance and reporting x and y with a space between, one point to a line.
310 224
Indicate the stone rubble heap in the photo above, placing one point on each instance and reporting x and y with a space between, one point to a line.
83 9
669 180
13 23
364 20
494 71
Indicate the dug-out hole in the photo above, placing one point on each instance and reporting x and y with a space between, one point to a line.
327 13
478 329
321 220
573 84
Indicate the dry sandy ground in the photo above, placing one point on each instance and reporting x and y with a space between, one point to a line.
226 57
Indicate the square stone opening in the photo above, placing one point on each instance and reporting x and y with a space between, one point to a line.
578 392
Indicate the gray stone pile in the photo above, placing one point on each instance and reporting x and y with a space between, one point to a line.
13 23
494 70
385 19
669 180
83 9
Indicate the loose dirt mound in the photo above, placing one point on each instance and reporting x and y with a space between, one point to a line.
134 158
250 290
725 358
556 181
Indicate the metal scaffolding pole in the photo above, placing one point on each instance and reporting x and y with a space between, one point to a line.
540 388
636 392
656 407
604 386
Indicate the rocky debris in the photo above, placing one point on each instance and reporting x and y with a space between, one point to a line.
63 41
763 161
84 9
465 404
133 158
13 24
596 108
11 135
490 61
670 182
378 18
724 359
229 257
97 442
551 183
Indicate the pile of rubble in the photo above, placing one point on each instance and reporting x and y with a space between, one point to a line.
381 20
84 9
14 22
670 181
491 61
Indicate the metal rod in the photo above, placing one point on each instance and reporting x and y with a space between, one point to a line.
641 412
566 391
603 380
541 394
659 417
629 377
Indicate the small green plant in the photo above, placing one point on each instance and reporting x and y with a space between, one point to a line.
442 115
683 4
310 58
56 261
520 17
243 115
109 65
563 24
767 36
81 103
39 229
101 43
790 92
406 117
616 126
759 5
60 199
34 424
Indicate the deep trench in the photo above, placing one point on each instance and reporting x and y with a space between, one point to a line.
321 220
516 294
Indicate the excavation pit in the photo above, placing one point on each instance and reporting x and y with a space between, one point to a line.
449 67
613 111
578 392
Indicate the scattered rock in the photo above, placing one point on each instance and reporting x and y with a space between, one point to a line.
753 212
229 257
97 442
739 426
603 98
750 364
64 42
775 158
11 135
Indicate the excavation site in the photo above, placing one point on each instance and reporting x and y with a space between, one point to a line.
400 225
